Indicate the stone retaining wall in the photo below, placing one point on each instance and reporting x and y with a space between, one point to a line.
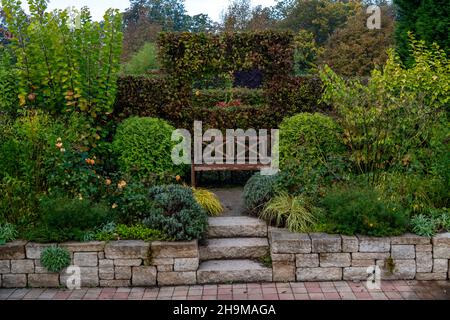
112 264
324 257
295 257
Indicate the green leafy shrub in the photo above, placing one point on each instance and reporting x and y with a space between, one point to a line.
361 210
208 201
135 232
8 85
64 219
55 259
61 68
144 147
309 138
389 121
142 62
437 220
176 213
8 232
297 213
258 190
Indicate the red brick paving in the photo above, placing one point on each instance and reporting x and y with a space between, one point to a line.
337 290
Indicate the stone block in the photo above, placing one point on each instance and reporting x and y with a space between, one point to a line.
424 262
22 266
442 238
334 260
350 244
14 280
13 250
144 276
283 271
411 239
127 262
34 250
114 283
106 263
424 248
307 260
430 276
106 273
162 261
165 267
363 263
373 244
319 274
43 280
356 273
5 266
281 257
441 251
85 259
122 273
186 264
370 255
186 249
92 246
89 276
403 251
322 242
176 278
127 249
440 265
402 270
284 241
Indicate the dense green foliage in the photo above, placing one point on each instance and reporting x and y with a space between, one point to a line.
8 233
143 62
62 68
428 20
258 191
175 212
55 259
144 146
309 138
358 210
111 232
67 219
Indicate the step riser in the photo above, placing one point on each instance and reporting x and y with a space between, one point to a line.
237 231
208 253
204 277
232 227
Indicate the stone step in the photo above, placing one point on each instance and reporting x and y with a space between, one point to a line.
232 271
240 226
234 248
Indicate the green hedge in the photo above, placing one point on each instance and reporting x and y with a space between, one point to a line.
151 97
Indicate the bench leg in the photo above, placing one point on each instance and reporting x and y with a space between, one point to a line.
193 176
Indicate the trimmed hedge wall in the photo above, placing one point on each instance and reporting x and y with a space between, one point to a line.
152 97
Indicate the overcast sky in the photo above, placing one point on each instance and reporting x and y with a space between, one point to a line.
211 7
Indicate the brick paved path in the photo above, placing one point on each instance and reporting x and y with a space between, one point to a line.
393 290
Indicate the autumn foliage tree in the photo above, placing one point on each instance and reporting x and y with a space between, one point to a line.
355 50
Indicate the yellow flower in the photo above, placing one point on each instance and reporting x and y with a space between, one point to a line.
178 178
197 93
108 182
114 206
122 184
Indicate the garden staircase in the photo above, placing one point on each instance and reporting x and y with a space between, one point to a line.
232 251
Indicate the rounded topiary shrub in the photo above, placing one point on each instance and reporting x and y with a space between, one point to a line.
175 211
144 146
258 191
309 138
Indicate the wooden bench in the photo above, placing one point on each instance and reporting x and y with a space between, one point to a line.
248 165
